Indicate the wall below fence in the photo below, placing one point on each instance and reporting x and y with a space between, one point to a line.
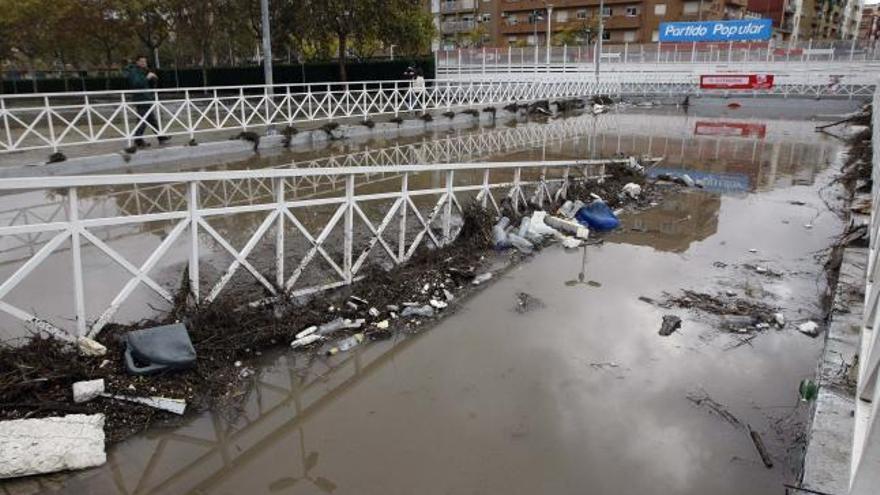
54 82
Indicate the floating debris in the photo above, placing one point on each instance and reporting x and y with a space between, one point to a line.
670 324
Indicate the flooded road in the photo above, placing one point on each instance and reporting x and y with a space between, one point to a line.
579 395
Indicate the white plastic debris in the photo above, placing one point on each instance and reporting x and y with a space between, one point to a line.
760 269
688 181
810 328
373 312
89 347
632 190
382 325
424 311
571 242
176 406
437 304
308 331
347 344
448 295
808 226
305 340
780 319
48 445
753 250
634 165
538 226
237 364
87 390
568 226
483 277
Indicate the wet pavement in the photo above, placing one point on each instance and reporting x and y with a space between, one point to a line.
578 394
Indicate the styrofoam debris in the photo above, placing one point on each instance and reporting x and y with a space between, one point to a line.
308 331
89 347
810 328
632 190
305 340
87 390
48 445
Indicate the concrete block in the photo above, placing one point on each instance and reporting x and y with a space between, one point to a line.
87 390
300 139
48 445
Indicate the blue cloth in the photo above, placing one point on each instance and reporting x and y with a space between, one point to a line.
597 216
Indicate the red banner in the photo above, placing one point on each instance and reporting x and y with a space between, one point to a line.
736 81
736 129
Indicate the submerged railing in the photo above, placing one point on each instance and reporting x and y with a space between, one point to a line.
343 229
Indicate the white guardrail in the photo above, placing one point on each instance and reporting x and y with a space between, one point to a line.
198 202
865 475
56 120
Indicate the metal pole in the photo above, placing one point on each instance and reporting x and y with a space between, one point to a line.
267 44
549 20
601 34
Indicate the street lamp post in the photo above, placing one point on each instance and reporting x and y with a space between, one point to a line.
549 20
267 44
601 34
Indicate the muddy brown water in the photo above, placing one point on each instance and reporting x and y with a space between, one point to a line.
577 395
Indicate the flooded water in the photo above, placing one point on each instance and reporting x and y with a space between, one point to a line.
579 395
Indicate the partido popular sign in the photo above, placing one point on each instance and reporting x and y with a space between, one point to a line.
742 30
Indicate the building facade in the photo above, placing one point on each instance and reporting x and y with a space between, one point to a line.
501 23
869 29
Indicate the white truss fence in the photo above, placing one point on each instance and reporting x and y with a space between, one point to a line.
808 51
346 235
866 447
143 199
54 120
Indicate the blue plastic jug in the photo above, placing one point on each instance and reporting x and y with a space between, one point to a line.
597 216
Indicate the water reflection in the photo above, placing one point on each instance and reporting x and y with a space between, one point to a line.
674 224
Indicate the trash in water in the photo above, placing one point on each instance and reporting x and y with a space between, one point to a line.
437 304
89 347
382 325
163 348
392 307
780 319
448 295
176 406
373 312
688 181
339 324
424 311
569 226
357 301
483 277
538 226
597 215
810 328
521 244
87 390
347 344
670 324
808 390
306 340
570 208
308 331
632 190
571 242
526 302
738 323
499 234
48 445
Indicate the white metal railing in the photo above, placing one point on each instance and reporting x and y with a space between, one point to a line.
809 51
865 475
275 214
54 120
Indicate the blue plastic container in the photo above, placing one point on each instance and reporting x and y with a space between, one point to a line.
597 216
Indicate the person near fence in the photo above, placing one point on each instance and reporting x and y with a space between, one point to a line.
417 88
140 77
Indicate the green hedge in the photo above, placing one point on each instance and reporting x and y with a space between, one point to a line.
379 70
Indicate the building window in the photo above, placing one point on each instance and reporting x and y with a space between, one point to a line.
606 11
562 16
487 18
606 35
660 9
655 36
581 14
632 11
511 40
629 36
690 8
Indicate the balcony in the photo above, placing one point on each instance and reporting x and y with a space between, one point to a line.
450 27
613 22
457 6
529 5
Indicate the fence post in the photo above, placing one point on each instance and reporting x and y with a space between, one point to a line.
509 59
659 46
564 56
459 61
76 257
447 208
404 206
729 51
484 60
348 243
693 51
808 51
625 51
193 209
769 49
279 234
241 104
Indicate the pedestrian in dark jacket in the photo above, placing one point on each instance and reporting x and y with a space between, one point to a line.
140 76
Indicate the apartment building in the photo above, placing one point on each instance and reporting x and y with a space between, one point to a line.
472 23
500 23
869 28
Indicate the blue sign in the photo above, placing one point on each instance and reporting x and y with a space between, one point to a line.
742 30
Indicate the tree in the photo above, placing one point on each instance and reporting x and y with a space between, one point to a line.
104 25
151 22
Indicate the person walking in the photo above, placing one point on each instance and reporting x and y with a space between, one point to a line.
139 76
